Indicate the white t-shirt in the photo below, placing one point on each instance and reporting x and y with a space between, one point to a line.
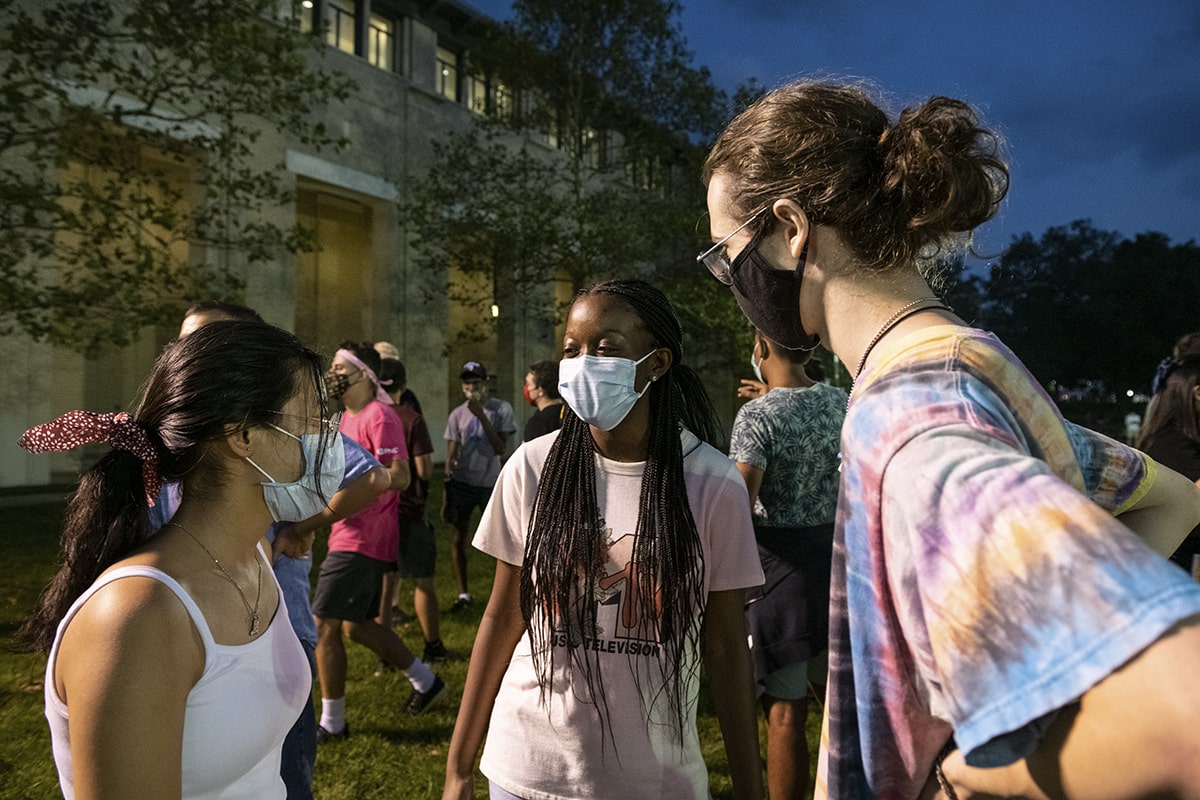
561 751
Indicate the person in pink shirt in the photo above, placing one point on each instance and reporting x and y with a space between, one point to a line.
362 548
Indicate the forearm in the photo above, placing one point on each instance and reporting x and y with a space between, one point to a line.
1131 735
727 656
499 631
353 497
400 476
496 440
424 466
1167 512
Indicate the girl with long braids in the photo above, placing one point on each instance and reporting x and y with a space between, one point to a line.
173 669
623 543
1000 623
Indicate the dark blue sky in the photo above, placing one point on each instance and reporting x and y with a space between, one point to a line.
1098 100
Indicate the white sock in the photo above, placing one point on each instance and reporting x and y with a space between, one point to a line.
420 675
333 714
464 596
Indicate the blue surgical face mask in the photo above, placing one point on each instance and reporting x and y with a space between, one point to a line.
600 389
307 495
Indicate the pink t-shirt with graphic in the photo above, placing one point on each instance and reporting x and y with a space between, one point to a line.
375 530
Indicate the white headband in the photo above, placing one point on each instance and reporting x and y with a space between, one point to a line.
380 393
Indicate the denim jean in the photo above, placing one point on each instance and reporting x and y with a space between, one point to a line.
300 746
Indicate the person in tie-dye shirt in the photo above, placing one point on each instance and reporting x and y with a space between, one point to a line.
1001 621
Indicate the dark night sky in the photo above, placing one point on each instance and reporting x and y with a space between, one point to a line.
1098 100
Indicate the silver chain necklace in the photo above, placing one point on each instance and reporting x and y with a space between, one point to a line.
251 610
921 304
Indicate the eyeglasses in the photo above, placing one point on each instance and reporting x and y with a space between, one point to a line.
715 257
328 426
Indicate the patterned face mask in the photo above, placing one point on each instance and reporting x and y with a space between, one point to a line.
336 384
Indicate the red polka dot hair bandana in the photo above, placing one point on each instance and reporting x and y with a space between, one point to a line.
77 428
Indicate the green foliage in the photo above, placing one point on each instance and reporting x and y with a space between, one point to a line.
129 181
592 174
1081 304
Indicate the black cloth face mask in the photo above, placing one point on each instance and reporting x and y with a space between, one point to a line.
770 298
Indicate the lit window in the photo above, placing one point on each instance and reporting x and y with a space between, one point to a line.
446 81
381 44
503 97
339 22
476 91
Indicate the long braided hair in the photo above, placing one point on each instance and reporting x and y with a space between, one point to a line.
566 547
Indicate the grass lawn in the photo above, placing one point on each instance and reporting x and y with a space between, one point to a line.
389 755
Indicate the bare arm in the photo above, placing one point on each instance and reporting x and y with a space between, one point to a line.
753 477
499 631
424 465
1167 513
400 475
1132 735
451 457
126 703
727 655
497 439
296 540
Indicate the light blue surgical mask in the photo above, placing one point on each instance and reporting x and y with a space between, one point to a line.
600 389
307 495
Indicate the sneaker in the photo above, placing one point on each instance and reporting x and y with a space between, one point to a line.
435 652
461 604
400 617
324 736
419 701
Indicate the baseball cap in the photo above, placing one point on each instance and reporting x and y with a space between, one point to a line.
473 370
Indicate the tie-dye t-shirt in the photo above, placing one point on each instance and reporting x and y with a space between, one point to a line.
980 578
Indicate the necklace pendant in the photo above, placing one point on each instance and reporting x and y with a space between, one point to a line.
254 624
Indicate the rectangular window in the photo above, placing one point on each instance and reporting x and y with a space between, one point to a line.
475 89
381 43
295 12
339 24
503 102
447 73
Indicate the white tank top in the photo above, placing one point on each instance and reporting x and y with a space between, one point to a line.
238 713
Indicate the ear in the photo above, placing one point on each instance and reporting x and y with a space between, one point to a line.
796 226
660 362
761 348
238 440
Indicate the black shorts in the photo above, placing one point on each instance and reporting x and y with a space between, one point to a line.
462 499
418 549
349 587
788 616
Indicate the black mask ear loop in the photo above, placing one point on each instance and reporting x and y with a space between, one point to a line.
770 298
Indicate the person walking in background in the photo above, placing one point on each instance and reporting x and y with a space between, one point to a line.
291 558
785 444
1000 621
623 543
173 670
1171 436
405 397
418 547
476 438
362 548
541 392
